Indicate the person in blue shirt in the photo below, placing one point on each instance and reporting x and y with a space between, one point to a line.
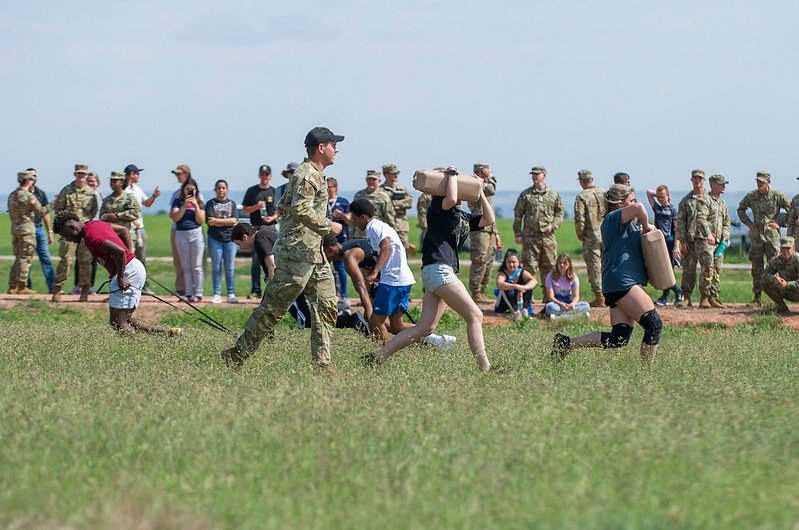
623 280
338 210
666 222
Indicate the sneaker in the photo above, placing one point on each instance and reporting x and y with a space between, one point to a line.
370 360
231 299
343 304
216 299
254 295
678 298
196 299
360 323
447 342
553 316
146 290
75 290
561 346
664 300
175 332
517 316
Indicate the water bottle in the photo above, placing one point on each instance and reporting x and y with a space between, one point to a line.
721 248
498 256
264 212
139 239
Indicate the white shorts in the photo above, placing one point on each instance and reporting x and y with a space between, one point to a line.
136 275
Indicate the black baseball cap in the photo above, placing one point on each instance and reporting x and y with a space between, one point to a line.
131 168
320 135
265 169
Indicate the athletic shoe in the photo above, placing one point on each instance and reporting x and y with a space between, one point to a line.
442 342
343 304
678 298
175 332
146 290
664 300
561 346
196 299
216 299
517 316
231 299
360 323
370 360
75 290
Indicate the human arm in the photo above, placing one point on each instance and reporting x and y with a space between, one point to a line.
118 253
382 258
488 217
518 217
558 214
636 212
650 196
351 260
579 217
148 201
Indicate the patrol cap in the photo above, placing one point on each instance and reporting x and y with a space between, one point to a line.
320 135
291 167
131 168
697 173
390 168
183 168
786 242
117 175
718 179
22 176
81 168
538 169
264 168
478 166
585 174
763 176
372 174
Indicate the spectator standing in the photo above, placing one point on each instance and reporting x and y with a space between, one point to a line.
221 215
182 172
259 204
188 213
338 211
589 212
697 243
22 207
133 175
401 201
482 243
44 236
666 221
720 228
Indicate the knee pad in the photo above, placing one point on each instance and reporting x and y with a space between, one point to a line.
652 325
619 336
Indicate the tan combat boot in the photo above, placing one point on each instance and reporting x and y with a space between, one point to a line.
12 289
704 303
757 302
84 294
22 288
56 295
481 298
598 301
715 302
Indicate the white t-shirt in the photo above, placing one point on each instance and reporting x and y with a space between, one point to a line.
137 192
396 271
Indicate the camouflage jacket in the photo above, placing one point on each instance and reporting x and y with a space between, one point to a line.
793 217
422 204
787 270
765 208
535 210
22 207
589 212
304 221
693 217
719 219
489 190
80 201
384 210
127 209
402 201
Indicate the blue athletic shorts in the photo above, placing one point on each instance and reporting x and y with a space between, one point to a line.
391 298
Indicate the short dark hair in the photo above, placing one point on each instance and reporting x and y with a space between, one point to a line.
362 206
329 241
621 177
240 229
61 218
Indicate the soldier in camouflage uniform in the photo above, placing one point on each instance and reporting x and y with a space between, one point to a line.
590 208
121 207
536 216
381 200
401 200
696 241
300 264
422 204
80 199
22 206
764 231
720 229
482 243
781 277
793 217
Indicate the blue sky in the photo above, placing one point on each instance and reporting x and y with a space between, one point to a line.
654 89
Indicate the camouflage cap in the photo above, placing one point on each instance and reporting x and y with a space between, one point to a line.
117 175
478 166
22 176
718 179
372 174
391 168
697 173
538 169
786 242
585 174
763 176
183 168
82 168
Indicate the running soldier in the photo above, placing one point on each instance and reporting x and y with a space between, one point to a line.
401 200
482 243
589 212
720 228
22 207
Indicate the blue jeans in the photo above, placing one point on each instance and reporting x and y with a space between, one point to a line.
338 267
222 252
43 251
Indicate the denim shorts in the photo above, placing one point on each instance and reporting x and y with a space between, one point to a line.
437 274
136 275
390 298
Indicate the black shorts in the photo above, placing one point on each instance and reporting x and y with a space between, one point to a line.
615 296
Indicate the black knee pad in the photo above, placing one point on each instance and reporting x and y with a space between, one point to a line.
619 336
652 325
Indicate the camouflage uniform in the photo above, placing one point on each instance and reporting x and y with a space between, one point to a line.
482 244
300 267
384 210
127 209
693 227
764 234
534 211
401 201
83 203
422 204
719 222
793 217
590 208
22 205
788 270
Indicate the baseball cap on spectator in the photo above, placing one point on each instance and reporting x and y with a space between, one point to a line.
131 168
183 168
265 169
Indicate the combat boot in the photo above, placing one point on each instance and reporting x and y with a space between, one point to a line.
598 301
84 294
12 289
783 309
23 289
704 303
757 302
715 302
481 298
56 295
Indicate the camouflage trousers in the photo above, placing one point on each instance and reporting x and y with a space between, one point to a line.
539 255
718 261
699 252
404 238
290 280
24 249
482 249
760 252
592 255
66 253
779 294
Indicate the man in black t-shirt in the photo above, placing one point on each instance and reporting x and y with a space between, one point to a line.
259 204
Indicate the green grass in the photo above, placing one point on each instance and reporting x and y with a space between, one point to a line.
104 431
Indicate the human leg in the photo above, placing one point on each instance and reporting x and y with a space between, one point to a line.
689 261
43 251
455 296
320 290
196 254
341 274
215 250
229 258
551 308
432 309
180 275
183 244
255 277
